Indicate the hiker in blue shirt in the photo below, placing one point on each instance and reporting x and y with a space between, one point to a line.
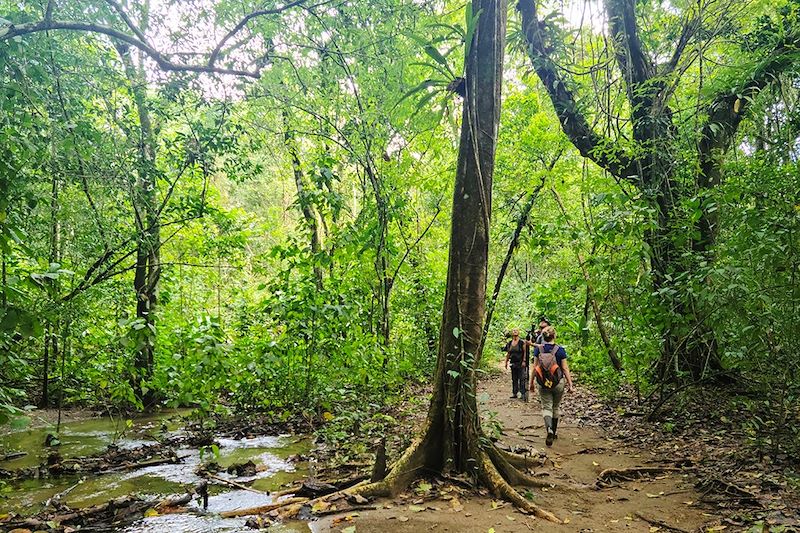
551 372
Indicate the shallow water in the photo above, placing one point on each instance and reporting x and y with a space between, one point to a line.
81 438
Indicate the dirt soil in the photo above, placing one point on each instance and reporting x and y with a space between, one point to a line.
659 502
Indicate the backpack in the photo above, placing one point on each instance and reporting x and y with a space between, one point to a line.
548 371
516 356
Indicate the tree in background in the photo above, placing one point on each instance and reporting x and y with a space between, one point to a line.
655 149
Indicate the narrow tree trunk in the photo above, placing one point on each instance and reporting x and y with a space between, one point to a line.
147 270
601 327
303 199
51 338
522 221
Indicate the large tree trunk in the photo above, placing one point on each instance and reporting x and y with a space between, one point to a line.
451 439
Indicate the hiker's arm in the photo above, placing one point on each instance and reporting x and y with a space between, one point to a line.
565 367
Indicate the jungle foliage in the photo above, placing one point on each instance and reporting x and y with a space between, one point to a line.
264 223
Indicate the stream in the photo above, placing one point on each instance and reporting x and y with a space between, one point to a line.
83 438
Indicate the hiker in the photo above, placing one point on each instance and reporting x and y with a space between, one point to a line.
515 353
534 336
551 371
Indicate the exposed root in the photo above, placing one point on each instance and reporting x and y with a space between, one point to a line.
402 473
609 475
503 461
519 460
491 477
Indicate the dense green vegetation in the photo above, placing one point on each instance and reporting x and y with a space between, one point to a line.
176 230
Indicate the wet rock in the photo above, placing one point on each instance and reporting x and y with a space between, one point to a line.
243 469
258 522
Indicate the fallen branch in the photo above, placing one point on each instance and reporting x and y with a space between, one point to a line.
13 455
143 464
660 523
262 508
730 490
235 484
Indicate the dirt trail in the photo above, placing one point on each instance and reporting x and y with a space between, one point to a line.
580 453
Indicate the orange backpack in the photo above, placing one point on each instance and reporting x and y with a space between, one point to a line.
547 370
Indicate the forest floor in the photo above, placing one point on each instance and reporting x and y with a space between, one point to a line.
696 467
593 437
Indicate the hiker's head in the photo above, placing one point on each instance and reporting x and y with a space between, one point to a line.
514 333
548 333
543 323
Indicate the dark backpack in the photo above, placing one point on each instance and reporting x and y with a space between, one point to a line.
547 370
516 354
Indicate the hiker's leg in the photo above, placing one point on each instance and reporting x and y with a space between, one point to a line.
546 398
558 394
514 380
521 381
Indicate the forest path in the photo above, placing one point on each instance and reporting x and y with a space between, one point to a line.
581 452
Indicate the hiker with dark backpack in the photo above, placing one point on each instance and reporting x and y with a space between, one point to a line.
551 373
516 354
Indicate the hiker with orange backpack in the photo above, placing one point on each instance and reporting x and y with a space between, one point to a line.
551 373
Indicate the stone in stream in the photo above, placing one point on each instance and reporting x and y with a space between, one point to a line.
243 469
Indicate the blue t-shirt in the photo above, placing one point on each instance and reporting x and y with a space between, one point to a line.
561 354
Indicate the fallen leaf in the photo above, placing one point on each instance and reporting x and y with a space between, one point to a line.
690 502
511 518
150 512
567 520
351 529
320 506
653 529
495 504
416 508
403 518
595 463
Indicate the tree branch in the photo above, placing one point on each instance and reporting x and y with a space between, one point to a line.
124 16
14 30
242 23
589 143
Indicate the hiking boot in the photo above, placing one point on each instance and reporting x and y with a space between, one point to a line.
555 428
549 440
